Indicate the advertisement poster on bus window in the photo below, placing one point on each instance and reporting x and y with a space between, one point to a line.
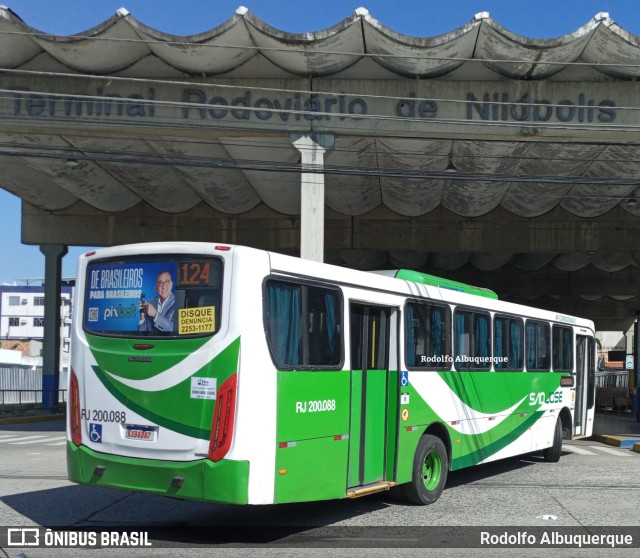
125 297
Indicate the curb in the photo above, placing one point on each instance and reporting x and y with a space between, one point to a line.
26 420
606 439
617 441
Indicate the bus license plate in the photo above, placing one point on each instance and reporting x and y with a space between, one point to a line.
142 433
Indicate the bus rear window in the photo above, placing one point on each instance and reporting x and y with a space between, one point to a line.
167 296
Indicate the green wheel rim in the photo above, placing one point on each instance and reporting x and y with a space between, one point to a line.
431 470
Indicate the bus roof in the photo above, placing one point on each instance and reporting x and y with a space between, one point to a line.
426 279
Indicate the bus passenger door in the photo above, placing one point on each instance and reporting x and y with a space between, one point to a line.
584 383
374 357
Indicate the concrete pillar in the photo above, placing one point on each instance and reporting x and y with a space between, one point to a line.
312 149
53 254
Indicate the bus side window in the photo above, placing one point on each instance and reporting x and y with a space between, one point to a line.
516 345
472 340
537 346
282 315
562 348
303 325
508 343
323 313
427 336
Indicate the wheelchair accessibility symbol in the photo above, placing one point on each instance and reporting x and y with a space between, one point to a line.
404 378
95 432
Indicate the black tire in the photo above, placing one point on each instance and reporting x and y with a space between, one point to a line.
552 454
430 468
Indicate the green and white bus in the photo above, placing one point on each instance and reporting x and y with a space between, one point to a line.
228 374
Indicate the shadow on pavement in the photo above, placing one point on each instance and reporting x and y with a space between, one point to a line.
179 522
57 425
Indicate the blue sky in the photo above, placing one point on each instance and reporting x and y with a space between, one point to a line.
422 18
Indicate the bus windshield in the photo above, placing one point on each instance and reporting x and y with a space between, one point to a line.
160 296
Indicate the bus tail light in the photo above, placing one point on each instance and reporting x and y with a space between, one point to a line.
74 410
223 419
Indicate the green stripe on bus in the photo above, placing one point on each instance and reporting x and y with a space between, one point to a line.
442 283
493 447
493 392
113 354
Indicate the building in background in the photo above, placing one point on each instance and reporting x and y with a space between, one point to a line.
22 320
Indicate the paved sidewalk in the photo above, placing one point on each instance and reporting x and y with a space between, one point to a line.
620 430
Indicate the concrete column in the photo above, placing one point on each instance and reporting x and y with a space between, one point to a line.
312 149
53 254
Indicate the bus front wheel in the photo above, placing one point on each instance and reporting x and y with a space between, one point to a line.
430 467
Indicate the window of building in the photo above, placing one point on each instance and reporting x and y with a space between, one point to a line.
303 325
472 340
38 322
38 301
14 322
14 301
427 336
538 345
508 343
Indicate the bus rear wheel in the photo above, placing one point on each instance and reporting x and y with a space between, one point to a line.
552 454
430 468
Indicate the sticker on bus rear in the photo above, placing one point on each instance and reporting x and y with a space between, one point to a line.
203 388
139 432
95 432
196 320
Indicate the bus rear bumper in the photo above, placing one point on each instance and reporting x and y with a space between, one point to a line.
225 481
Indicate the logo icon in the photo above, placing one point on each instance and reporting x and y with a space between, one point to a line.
23 537
404 378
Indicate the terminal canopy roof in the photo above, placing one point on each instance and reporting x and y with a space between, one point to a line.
479 154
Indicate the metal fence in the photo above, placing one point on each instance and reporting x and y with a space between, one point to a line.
28 397
612 390
612 379
21 385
